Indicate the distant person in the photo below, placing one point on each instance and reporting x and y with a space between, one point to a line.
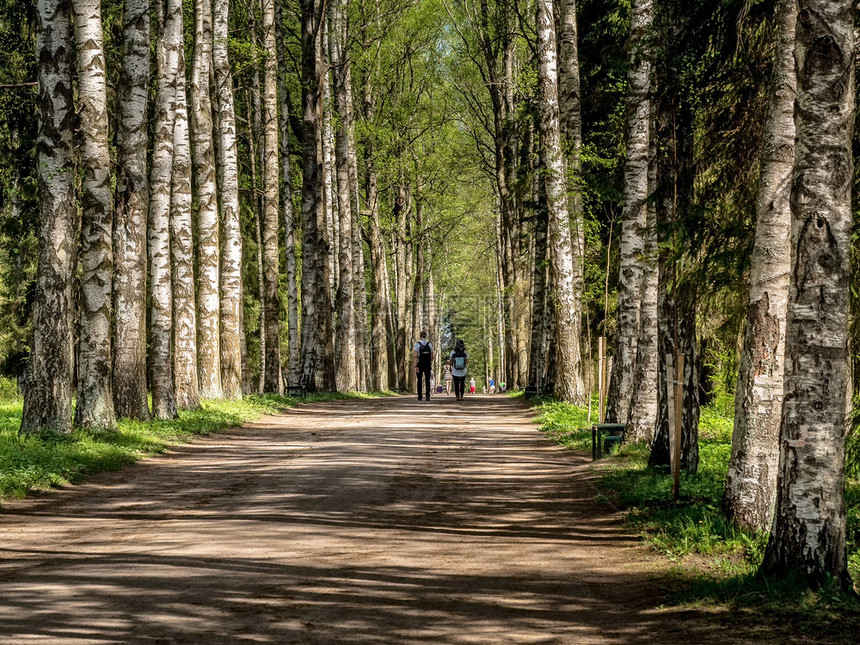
447 377
492 386
423 354
502 386
484 389
472 385
459 361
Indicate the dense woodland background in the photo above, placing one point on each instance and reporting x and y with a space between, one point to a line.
395 169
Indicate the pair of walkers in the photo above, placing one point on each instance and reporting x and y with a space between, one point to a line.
423 355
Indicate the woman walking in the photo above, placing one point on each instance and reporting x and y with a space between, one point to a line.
459 361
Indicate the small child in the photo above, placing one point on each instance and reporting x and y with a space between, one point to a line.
472 385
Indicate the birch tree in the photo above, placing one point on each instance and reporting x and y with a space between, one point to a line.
185 373
294 371
94 407
129 236
751 482
230 274
634 213
558 226
346 363
48 391
272 381
168 35
570 119
808 536
208 305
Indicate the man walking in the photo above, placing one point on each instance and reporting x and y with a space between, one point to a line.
423 354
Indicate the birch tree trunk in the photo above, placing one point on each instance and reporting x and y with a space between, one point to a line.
272 381
536 357
751 483
208 302
808 535
94 409
232 330
382 332
571 132
313 269
131 203
633 215
558 226
48 391
643 406
186 383
168 34
345 344
294 371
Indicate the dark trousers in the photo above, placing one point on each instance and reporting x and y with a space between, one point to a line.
459 386
425 372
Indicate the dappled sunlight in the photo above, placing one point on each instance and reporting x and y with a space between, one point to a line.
353 522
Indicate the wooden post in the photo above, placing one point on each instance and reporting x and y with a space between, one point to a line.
601 378
678 414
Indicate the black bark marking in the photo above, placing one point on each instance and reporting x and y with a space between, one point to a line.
817 255
764 334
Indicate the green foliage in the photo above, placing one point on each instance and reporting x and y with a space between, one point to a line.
695 525
50 460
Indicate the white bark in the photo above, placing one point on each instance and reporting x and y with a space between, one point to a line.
94 409
808 535
208 302
570 119
558 226
272 381
48 391
633 215
232 331
129 237
168 34
346 376
751 483
185 380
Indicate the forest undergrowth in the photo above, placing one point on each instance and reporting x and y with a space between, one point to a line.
715 562
47 461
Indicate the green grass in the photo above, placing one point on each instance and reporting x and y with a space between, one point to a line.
44 462
716 561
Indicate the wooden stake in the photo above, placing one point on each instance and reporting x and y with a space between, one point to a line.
601 378
678 387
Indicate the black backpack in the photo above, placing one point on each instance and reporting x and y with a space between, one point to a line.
424 352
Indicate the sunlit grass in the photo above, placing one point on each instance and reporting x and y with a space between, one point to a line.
44 462
693 528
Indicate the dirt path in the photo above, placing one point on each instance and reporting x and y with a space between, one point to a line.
385 521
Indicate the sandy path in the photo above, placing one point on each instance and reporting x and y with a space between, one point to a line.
385 521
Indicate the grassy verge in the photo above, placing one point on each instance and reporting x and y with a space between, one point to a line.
716 562
40 463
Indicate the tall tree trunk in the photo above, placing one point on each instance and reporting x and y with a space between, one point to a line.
255 129
328 175
168 48
401 288
272 381
347 376
539 303
129 234
232 329
558 227
186 383
808 535
751 483
48 391
570 106
313 270
643 405
382 332
294 370
208 301
634 213
94 407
